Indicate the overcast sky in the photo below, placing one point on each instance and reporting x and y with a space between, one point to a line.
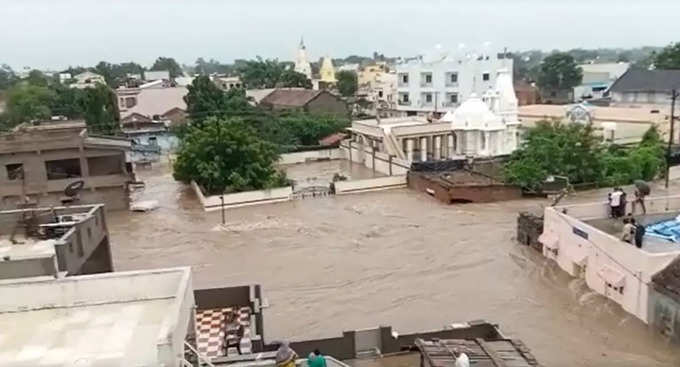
58 33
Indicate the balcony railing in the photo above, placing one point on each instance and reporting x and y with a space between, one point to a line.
404 103
450 84
426 85
449 104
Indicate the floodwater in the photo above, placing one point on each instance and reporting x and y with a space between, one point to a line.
395 258
321 173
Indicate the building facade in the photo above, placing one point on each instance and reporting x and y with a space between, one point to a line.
157 100
313 101
87 79
441 82
644 87
597 78
38 162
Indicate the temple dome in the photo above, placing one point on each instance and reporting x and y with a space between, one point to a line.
473 114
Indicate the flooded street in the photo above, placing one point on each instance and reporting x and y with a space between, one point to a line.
321 173
396 258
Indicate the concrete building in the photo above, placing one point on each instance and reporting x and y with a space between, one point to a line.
644 87
313 101
379 84
302 64
227 82
439 82
153 101
38 162
597 78
622 125
586 243
153 75
87 79
54 242
664 301
136 318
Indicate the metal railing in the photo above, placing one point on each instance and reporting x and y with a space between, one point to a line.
201 359
404 103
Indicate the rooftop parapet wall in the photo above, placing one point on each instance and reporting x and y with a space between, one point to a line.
600 209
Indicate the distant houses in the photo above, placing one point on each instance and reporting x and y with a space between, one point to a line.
154 101
307 100
87 79
645 87
597 78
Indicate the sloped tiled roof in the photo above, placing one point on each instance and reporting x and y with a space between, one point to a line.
667 281
290 97
647 81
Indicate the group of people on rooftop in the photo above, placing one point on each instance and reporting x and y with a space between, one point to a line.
633 232
286 356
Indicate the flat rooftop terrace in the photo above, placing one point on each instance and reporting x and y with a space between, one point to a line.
114 319
650 244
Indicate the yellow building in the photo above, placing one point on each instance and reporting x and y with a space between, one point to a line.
327 71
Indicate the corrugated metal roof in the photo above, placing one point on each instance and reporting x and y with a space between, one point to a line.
481 352
647 80
291 97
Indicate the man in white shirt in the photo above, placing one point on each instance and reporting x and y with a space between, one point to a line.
462 359
615 202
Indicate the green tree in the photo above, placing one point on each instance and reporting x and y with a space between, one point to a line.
293 79
116 74
308 129
553 148
205 99
559 72
99 109
668 58
7 77
347 82
67 101
261 73
225 155
27 103
37 78
169 64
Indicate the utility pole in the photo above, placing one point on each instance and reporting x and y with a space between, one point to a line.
674 96
223 218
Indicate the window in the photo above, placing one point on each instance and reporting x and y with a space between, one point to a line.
453 98
380 94
404 97
130 102
62 168
428 78
15 171
107 165
453 78
428 98
486 77
404 78
483 141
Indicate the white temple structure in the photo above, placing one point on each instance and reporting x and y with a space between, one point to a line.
481 127
302 65
487 126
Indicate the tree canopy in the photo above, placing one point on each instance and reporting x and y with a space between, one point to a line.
26 102
270 73
559 72
225 155
347 82
7 77
99 109
573 151
205 99
668 58
169 64
116 74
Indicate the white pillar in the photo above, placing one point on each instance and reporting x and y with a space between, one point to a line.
423 149
437 147
409 149
451 147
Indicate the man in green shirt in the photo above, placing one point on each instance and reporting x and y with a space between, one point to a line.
316 359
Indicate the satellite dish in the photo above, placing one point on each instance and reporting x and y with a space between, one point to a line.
74 188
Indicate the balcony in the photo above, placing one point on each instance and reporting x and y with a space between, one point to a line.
404 103
426 84
450 104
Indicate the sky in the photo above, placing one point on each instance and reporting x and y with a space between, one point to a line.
55 34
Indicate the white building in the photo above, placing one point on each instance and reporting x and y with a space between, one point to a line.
302 64
137 318
479 128
87 79
150 76
586 243
597 78
439 82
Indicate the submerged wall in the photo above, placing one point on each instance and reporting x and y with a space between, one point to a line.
247 198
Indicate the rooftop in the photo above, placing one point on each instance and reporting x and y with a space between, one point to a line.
668 280
616 114
650 244
293 97
635 80
143 316
491 353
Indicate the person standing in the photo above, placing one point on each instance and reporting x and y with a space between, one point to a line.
316 359
628 231
639 233
639 199
285 356
615 202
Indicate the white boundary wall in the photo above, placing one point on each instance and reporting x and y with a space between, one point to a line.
312 155
211 203
381 160
370 184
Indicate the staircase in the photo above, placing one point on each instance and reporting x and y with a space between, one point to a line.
391 144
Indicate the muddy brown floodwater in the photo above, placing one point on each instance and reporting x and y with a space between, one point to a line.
395 258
